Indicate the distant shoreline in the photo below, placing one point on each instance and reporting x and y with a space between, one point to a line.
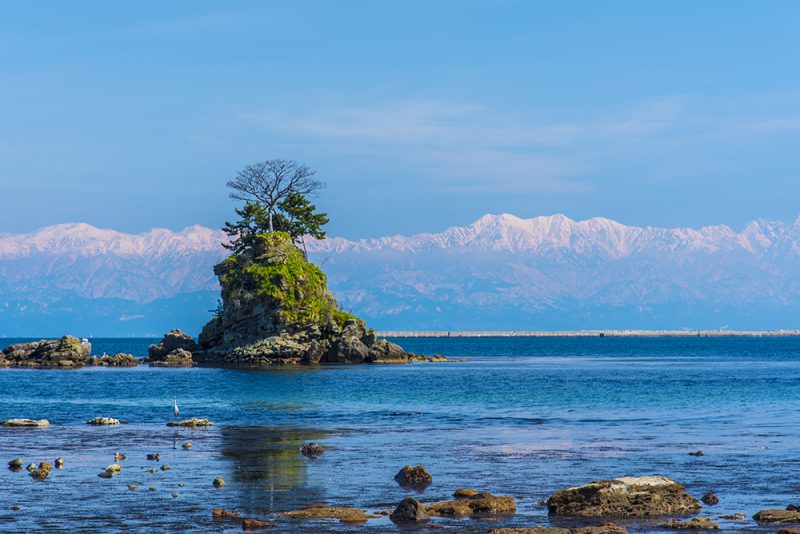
592 333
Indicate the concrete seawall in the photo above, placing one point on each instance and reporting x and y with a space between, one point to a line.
595 333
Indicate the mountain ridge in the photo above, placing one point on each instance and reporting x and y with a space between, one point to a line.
499 272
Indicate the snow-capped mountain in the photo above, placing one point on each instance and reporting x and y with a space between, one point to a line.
500 272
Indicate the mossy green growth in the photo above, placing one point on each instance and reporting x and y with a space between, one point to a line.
278 270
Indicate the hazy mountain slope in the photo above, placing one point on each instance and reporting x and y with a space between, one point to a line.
501 272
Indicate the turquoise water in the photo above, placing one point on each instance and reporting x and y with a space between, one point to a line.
522 417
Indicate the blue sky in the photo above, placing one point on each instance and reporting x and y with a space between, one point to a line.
418 115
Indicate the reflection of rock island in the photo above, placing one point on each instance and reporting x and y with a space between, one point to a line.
277 310
269 467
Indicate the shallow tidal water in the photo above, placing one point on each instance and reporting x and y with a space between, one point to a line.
522 417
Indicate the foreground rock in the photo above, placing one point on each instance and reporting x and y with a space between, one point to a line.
606 528
710 499
277 310
117 360
695 523
65 352
409 511
320 511
174 350
26 422
255 524
192 422
624 497
413 477
41 472
474 505
777 517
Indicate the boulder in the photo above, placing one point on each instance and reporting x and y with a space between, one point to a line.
16 464
67 351
41 472
775 516
103 421
413 477
172 341
695 523
624 497
218 482
409 511
475 505
59 463
255 524
321 511
36 423
383 351
192 422
117 360
312 450
114 469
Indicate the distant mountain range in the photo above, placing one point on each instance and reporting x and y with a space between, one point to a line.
501 272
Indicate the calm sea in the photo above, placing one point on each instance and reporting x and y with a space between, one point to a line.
522 417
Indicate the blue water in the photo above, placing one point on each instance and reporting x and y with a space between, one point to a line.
522 417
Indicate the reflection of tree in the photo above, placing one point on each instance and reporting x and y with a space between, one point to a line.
269 468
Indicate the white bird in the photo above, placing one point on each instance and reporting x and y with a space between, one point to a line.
175 409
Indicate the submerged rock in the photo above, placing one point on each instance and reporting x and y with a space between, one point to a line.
16 464
26 422
192 422
117 360
413 477
478 504
119 456
624 497
695 523
321 511
154 457
218 482
103 421
697 453
775 516
187 445
277 310
41 472
735 517
312 450
219 513
409 511
59 463
67 351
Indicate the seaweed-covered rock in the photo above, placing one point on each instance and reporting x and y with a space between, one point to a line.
65 352
474 505
277 310
775 516
624 497
116 360
171 342
413 477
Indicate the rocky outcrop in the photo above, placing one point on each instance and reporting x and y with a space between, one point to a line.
174 349
277 310
64 352
117 360
474 505
624 497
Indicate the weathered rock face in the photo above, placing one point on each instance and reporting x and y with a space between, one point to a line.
277 310
67 351
624 497
175 349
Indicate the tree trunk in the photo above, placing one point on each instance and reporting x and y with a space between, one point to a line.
270 220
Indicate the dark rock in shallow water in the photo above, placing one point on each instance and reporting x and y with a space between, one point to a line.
710 499
695 523
312 450
409 511
255 524
697 453
624 497
65 352
606 528
413 477
174 349
16 464
117 360
321 511
192 422
277 310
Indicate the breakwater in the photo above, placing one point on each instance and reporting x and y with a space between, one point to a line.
592 333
